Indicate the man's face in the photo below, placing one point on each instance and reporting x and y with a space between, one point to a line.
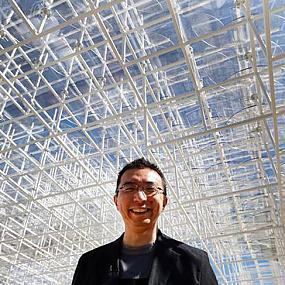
137 209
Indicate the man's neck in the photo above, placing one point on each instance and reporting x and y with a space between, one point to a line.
139 237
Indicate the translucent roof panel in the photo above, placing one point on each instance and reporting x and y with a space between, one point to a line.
195 86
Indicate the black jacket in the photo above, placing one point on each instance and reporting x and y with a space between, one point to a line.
175 263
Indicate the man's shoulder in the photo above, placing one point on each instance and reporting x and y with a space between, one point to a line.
103 250
182 248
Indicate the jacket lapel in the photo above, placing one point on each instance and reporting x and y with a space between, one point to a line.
110 263
163 263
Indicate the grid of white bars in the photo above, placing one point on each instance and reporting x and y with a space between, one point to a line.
196 86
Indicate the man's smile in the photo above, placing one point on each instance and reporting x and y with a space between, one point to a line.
139 210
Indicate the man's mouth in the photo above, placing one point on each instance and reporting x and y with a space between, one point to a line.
139 211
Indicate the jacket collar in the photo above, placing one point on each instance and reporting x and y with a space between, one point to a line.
162 266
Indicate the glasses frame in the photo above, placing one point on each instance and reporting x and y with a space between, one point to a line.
138 187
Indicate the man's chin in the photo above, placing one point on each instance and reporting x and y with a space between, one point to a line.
141 221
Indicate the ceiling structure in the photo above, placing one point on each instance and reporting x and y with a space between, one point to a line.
196 86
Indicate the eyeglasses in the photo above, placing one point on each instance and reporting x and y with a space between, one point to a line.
150 189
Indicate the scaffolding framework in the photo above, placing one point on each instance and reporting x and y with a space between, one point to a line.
195 86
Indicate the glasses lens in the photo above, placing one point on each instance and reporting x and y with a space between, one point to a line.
129 187
150 190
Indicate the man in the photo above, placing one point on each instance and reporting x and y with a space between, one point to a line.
143 255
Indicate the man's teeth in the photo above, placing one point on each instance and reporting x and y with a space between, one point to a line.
139 210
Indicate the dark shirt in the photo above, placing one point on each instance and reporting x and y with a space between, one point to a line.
135 264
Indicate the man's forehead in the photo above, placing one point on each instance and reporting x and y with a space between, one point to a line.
142 173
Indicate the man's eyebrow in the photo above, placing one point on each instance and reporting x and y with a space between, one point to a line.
129 182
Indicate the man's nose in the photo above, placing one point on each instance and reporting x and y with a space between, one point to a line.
139 195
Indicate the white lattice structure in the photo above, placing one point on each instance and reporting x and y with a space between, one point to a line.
196 86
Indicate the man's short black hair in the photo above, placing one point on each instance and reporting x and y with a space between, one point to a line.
141 163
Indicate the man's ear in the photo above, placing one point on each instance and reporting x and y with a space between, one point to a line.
115 199
165 201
